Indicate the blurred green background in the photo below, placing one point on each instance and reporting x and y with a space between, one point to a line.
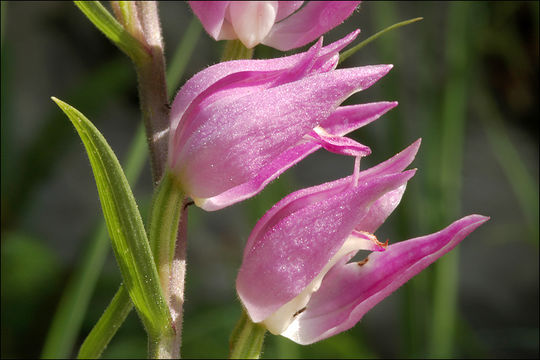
466 78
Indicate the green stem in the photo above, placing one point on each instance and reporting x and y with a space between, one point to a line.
160 346
168 245
138 34
144 46
235 50
344 55
246 339
153 88
166 208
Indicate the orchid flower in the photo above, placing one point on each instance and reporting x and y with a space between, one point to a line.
295 278
237 125
283 25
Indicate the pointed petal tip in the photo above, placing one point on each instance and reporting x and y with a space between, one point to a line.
413 148
388 105
479 219
391 104
381 70
473 220
350 37
409 173
354 33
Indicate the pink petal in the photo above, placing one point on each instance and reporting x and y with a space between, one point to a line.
348 118
295 154
268 173
286 8
211 14
339 144
249 132
395 164
308 23
229 88
292 243
386 204
348 291
380 210
327 59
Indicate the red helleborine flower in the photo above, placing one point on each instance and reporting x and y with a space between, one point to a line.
296 278
238 125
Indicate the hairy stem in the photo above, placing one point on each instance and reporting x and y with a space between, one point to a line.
153 96
168 244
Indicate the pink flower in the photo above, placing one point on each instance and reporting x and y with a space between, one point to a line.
295 277
237 125
280 24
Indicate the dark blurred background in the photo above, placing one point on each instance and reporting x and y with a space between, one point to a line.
466 78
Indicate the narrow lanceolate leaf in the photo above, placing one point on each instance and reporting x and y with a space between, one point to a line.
125 226
106 327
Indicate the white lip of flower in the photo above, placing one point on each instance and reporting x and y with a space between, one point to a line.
252 20
279 321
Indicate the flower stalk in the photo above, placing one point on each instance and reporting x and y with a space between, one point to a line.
235 50
247 339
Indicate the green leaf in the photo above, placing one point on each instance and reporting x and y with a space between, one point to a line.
114 314
351 51
76 297
125 227
111 28
106 327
